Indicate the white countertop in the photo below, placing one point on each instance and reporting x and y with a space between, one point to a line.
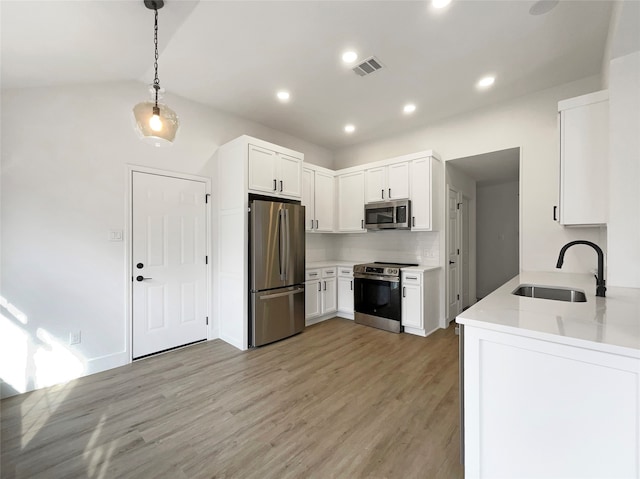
327 264
610 324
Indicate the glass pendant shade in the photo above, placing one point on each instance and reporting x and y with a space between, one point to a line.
158 131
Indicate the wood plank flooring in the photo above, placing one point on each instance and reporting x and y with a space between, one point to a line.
340 400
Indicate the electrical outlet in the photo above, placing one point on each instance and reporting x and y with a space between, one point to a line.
75 337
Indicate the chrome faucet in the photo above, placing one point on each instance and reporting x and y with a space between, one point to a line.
600 287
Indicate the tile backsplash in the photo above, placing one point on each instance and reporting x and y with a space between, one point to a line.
393 246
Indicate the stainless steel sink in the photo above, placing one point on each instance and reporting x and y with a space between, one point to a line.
546 292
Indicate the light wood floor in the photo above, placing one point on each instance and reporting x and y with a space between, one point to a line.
340 400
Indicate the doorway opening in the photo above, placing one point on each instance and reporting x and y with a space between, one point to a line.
487 225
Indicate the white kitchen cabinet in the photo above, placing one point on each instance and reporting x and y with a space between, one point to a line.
351 202
544 409
345 292
584 152
274 173
419 307
426 190
320 294
318 196
388 182
312 294
329 292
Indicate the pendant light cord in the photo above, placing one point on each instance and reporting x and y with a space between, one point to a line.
156 81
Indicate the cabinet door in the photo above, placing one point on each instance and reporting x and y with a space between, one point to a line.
398 181
376 184
312 299
324 201
421 194
584 149
329 295
263 175
351 202
412 305
308 195
290 176
345 294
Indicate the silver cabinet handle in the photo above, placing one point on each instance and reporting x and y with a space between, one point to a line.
412 277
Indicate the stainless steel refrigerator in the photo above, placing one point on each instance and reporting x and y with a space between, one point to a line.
276 262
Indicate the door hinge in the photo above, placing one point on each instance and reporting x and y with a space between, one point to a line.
457 296
206 198
207 320
458 250
458 205
206 260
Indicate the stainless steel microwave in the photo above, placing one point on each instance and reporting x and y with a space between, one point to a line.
388 215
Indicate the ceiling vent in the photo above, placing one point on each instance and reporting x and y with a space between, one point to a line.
368 66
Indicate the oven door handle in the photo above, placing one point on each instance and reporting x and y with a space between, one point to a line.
377 278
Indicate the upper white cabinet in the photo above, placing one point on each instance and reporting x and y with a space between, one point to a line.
584 147
318 196
274 173
387 182
351 202
426 189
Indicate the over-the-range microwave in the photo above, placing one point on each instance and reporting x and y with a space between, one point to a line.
388 215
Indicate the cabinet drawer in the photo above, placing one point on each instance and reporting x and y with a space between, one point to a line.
312 274
328 272
411 278
345 272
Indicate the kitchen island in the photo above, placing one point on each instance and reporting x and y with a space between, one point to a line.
552 388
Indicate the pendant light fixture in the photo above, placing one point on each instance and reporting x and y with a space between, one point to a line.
155 122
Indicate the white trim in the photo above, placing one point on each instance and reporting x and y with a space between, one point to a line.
130 169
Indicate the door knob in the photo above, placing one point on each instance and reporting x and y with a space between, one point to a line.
141 278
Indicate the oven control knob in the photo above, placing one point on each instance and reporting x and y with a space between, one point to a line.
394 271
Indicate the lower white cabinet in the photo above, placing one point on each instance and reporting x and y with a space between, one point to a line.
320 294
544 409
420 291
345 292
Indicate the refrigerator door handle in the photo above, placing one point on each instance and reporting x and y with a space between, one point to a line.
281 245
286 293
288 245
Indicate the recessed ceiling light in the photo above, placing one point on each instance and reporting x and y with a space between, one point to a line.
283 95
349 128
543 6
486 82
409 108
440 3
349 57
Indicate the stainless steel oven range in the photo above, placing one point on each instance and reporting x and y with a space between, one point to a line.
376 295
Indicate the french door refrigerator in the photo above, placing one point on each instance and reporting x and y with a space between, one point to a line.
276 271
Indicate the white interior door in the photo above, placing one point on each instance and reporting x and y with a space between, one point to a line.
169 262
453 254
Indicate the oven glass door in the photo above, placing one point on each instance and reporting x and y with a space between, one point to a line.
377 297
379 216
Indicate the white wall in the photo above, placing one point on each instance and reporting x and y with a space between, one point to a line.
64 156
497 235
530 123
623 229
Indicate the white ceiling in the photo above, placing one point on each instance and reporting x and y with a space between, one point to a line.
234 55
